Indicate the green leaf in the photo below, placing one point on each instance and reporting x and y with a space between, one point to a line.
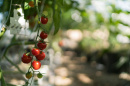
26 6
57 19
2 81
60 3
6 5
29 12
57 14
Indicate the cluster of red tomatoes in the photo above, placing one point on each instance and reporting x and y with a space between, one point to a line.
37 52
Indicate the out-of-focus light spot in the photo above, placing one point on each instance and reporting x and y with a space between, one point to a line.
62 81
114 16
122 39
124 76
76 16
15 81
124 18
100 34
67 2
75 35
62 71
82 3
124 29
99 6
72 66
109 8
92 18
100 66
69 43
44 69
45 13
85 79
124 5
86 33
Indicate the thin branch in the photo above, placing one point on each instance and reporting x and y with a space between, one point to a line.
6 50
14 64
32 78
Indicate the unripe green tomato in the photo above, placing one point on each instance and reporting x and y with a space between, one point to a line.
28 75
39 75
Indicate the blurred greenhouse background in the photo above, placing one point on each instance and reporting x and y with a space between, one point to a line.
92 47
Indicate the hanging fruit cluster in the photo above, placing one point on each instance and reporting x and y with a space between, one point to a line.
31 11
36 54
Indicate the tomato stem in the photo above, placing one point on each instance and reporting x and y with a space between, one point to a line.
29 68
32 78
28 53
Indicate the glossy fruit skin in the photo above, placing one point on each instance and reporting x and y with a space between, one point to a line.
41 56
36 64
31 4
28 75
35 51
26 58
39 75
44 20
43 35
41 45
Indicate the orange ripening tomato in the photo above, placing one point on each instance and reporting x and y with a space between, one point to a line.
61 43
31 4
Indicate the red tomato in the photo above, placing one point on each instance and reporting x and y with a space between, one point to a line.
41 56
43 35
26 58
41 45
44 20
35 51
36 64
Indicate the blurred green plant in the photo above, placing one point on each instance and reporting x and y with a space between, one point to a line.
2 81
